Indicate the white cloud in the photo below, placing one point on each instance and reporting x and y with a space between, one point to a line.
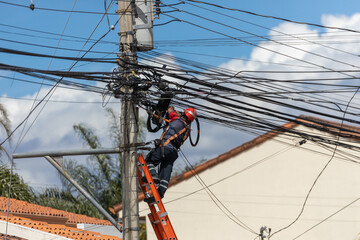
341 21
320 54
53 129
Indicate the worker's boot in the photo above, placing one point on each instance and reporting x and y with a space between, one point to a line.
150 200
155 178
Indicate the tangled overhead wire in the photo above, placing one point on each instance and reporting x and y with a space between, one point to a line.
157 112
245 101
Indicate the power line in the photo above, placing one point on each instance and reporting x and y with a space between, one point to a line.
57 10
233 58
216 200
265 38
38 92
273 17
327 218
274 30
52 47
51 91
321 172
91 40
98 60
56 101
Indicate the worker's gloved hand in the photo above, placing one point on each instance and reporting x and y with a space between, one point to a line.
157 143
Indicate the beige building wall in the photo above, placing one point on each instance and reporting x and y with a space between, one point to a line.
266 186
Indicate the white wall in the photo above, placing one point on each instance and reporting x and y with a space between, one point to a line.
27 233
105 230
267 185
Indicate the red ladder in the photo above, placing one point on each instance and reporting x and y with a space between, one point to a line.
158 217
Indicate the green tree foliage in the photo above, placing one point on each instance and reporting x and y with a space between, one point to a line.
101 176
18 189
4 125
64 200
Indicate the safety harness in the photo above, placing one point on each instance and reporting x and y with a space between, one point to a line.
165 142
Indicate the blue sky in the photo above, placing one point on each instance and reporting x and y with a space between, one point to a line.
52 130
82 24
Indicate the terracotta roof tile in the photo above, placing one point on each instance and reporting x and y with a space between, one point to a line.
332 127
19 209
10 237
60 230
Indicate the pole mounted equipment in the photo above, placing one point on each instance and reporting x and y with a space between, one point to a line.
143 27
264 230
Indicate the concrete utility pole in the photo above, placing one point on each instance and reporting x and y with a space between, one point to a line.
136 34
129 114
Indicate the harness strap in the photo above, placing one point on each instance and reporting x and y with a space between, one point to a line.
175 136
165 142
163 134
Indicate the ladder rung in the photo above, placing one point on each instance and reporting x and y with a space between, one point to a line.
163 214
158 217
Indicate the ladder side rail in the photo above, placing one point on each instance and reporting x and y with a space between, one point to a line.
151 183
153 216
160 234
164 220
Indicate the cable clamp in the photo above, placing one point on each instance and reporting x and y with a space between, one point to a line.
125 10
126 32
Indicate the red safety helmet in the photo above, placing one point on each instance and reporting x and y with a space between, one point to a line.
190 114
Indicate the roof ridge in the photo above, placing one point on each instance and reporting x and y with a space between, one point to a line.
22 207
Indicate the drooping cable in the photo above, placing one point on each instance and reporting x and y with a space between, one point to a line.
215 199
42 82
51 91
320 173
327 218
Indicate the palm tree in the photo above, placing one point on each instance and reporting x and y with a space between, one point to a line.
101 176
64 200
17 189
4 124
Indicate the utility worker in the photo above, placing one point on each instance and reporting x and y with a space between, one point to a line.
166 151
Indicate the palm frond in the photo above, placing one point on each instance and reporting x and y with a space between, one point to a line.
17 189
4 120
